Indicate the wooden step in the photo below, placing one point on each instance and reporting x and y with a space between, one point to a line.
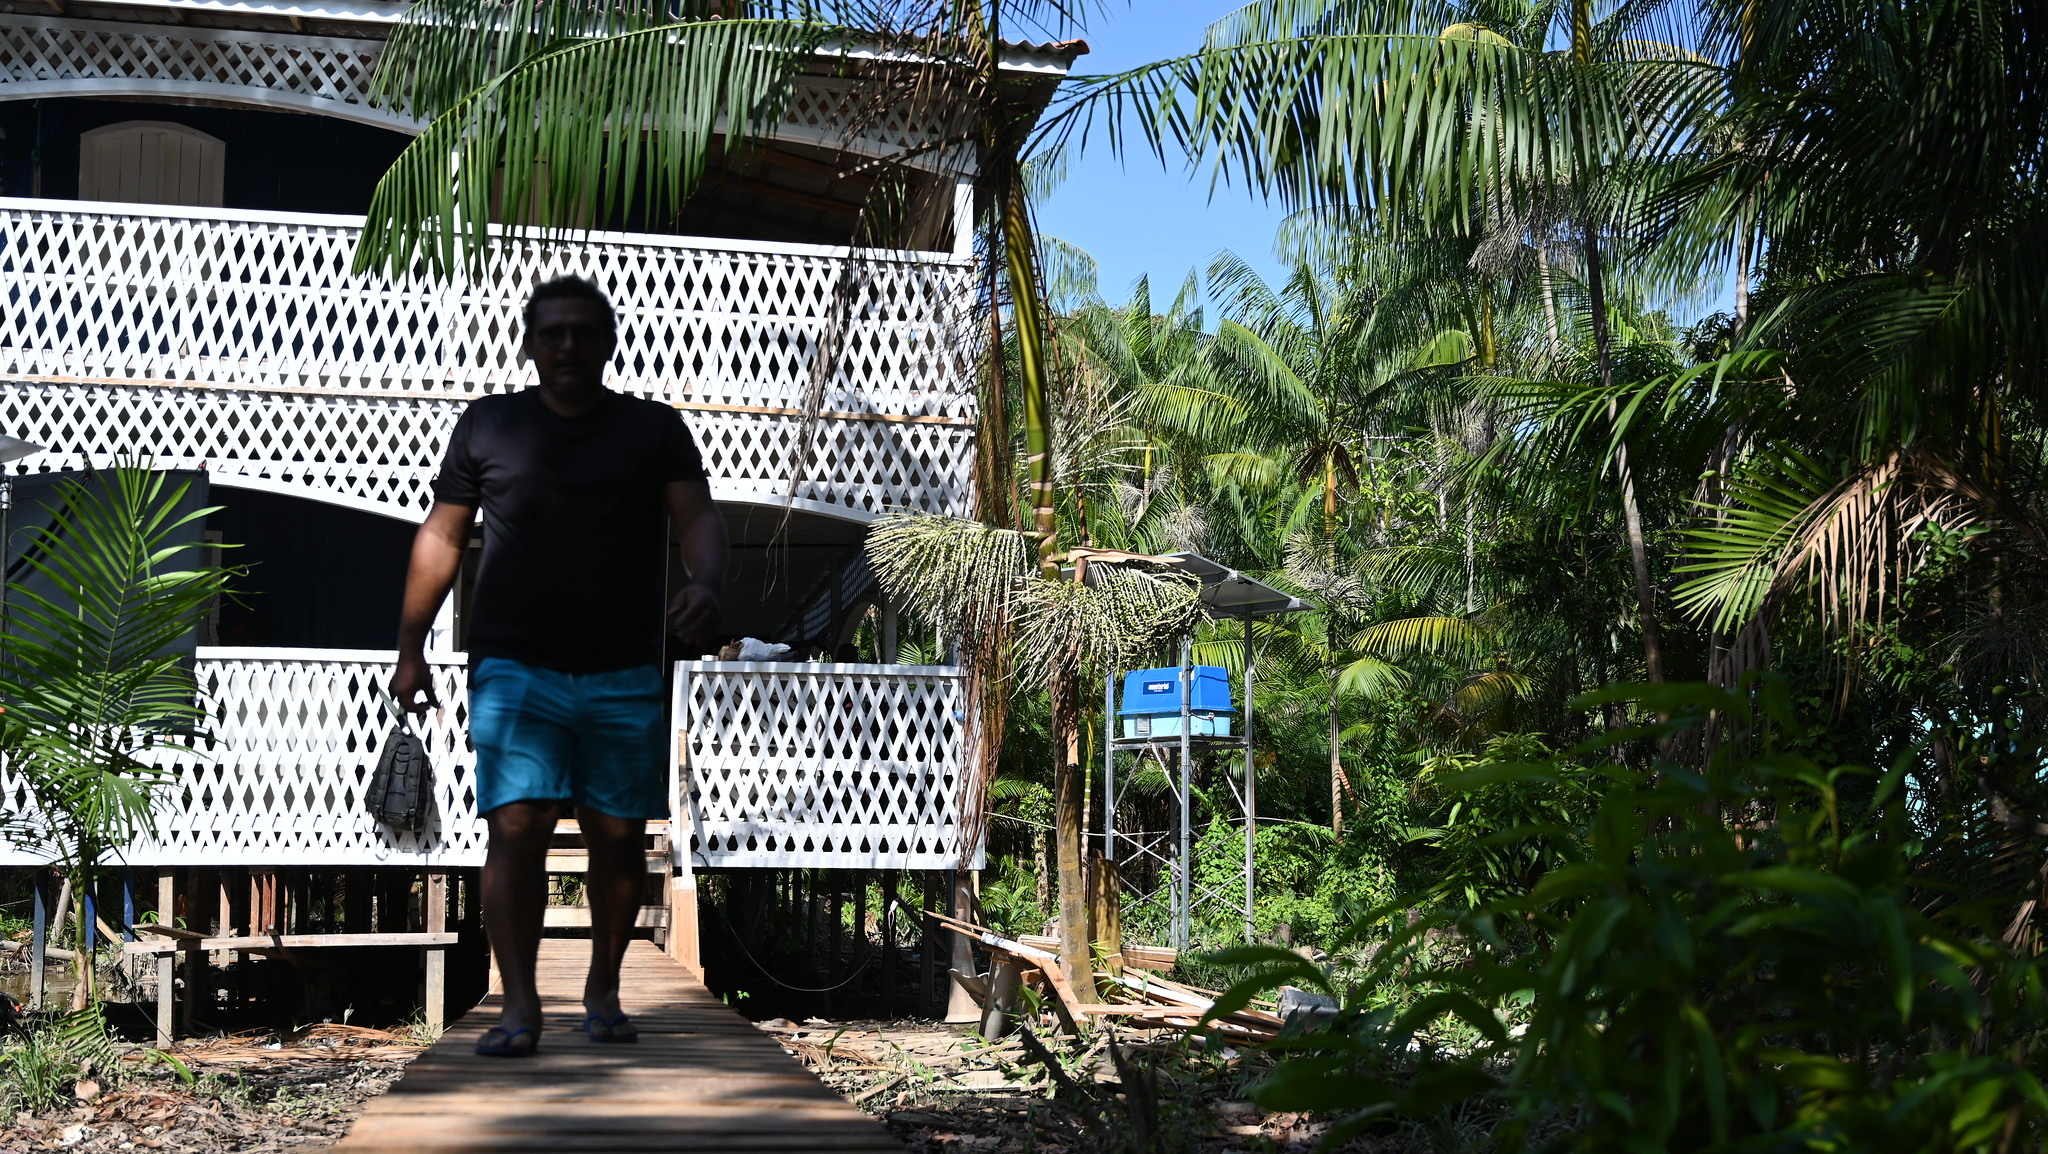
578 918
569 835
576 861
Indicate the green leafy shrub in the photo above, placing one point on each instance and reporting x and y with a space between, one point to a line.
1743 960
1495 839
41 1065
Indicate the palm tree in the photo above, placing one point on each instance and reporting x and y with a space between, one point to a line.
1450 114
1877 384
96 692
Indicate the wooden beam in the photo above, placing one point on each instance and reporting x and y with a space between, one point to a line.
289 942
578 918
791 195
804 164
684 945
577 861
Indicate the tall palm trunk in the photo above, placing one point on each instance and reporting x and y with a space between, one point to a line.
1631 513
1028 314
1339 783
1076 956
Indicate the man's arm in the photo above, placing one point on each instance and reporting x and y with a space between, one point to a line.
436 552
693 612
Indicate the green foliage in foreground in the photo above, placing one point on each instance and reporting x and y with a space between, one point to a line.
93 683
1743 958
42 1065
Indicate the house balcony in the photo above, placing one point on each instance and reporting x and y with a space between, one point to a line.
774 765
239 342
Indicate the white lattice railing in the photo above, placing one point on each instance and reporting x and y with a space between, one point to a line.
240 341
829 766
61 56
293 736
839 766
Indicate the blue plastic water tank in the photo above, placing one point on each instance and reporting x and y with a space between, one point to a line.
1152 692
1151 705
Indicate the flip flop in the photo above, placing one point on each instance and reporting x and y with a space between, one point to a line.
598 1030
507 1045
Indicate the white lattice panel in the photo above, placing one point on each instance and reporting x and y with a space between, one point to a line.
832 766
51 56
194 337
293 737
42 55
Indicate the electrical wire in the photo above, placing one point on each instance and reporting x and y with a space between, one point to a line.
749 954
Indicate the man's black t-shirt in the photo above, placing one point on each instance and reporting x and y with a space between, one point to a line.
574 526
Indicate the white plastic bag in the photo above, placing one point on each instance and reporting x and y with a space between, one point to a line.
754 649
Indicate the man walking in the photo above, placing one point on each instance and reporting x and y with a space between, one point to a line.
565 633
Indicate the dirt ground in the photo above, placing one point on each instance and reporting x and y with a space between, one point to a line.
247 1095
943 1090
939 1088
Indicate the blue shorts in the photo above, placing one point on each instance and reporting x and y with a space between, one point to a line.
595 739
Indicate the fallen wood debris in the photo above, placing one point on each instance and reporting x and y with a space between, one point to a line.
1142 999
325 1042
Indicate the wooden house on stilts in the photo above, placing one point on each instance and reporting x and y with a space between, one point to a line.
182 183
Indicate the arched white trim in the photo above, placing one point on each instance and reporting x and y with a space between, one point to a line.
723 492
727 493
127 86
324 75
227 478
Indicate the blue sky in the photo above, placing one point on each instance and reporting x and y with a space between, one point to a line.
1136 218
1132 216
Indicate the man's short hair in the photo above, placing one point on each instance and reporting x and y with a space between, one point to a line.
573 288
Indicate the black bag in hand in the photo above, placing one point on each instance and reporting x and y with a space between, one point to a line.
402 787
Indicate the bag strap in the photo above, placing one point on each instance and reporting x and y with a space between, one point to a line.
391 703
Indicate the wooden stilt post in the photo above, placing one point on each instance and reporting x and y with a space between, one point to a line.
38 942
835 930
187 902
928 945
436 898
888 943
860 920
230 926
355 902
960 1005
166 964
814 929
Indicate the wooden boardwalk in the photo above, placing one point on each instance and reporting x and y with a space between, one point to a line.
701 1079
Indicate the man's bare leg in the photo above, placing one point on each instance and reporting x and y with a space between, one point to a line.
515 896
618 868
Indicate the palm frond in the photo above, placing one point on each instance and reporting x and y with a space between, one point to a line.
1456 637
955 573
1790 525
90 677
544 140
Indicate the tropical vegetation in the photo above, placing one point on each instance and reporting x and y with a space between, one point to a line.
1660 765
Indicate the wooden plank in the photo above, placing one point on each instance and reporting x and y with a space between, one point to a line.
291 942
163 931
1151 957
702 1079
577 861
578 917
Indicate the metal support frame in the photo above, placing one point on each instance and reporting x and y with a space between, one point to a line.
1183 893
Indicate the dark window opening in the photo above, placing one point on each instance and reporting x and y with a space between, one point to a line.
319 576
